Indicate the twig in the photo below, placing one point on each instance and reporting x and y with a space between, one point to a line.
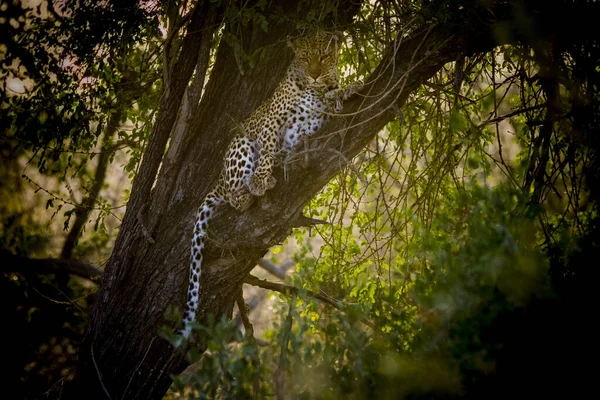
396 109
303 221
239 63
512 114
352 167
70 302
336 152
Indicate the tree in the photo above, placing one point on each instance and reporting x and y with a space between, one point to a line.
122 354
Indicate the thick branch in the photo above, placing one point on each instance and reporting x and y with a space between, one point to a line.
14 263
273 269
169 107
190 109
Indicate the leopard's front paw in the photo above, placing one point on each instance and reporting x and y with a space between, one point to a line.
258 186
241 200
353 88
253 186
271 182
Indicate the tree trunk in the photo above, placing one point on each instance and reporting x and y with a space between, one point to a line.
122 355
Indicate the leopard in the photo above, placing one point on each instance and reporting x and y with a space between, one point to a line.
313 70
247 171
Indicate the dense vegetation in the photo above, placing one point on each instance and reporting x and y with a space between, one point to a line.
443 231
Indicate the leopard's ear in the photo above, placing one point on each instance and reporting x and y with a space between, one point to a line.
296 41
290 43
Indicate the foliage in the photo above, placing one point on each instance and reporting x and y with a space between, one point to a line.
65 106
78 108
223 370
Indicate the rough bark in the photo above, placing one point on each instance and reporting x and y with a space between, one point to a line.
123 356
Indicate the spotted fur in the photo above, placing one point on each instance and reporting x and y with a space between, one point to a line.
239 164
249 160
312 112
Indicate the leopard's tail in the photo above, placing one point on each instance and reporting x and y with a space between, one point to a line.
203 216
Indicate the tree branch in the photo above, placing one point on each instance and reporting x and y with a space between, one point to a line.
290 290
283 359
294 291
189 109
169 105
274 270
84 210
14 263
304 221
512 114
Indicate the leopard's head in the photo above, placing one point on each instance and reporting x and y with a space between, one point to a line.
316 58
